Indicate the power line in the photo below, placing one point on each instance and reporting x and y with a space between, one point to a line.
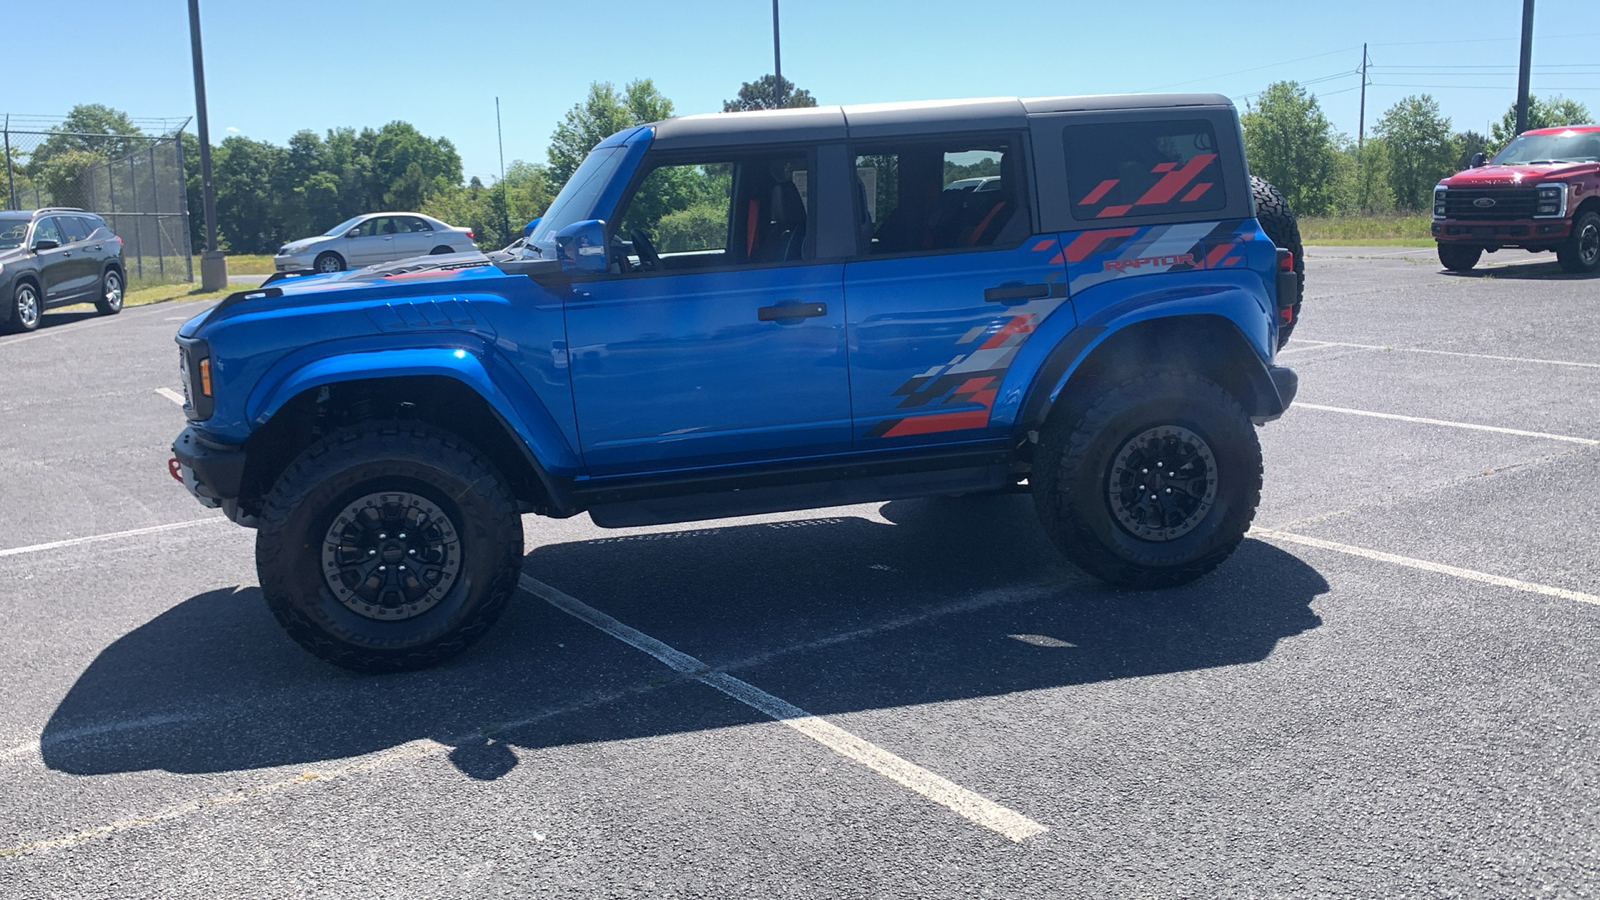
1553 37
1243 71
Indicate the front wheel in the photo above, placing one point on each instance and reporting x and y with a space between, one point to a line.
26 307
1459 257
388 546
109 303
1581 252
329 262
1152 485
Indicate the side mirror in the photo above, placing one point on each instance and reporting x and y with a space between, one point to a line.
1478 159
581 247
354 232
45 244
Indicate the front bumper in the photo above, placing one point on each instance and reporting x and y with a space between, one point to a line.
212 472
292 263
1502 233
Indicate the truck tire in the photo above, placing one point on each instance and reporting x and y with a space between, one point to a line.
1459 257
1581 252
388 546
1280 224
1152 484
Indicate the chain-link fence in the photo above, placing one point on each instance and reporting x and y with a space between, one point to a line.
135 182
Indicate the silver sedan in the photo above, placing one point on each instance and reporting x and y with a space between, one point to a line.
373 238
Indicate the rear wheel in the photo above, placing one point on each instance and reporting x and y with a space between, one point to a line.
26 308
441 250
388 546
329 262
1581 252
1279 222
1459 257
1154 484
109 303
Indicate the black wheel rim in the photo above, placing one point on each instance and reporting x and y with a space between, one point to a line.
391 556
1162 483
1589 244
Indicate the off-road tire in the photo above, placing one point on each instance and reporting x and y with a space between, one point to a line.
1074 472
397 457
27 308
1580 254
1280 224
109 303
1459 257
329 261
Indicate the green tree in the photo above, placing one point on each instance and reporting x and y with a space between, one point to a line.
407 167
79 131
763 94
1468 143
1550 113
1290 143
1421 150
247 176
603 113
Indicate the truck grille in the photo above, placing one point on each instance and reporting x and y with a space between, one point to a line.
1509 203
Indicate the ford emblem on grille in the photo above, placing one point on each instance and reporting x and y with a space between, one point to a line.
1483 202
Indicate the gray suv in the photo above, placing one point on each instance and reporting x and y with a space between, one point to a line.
57 257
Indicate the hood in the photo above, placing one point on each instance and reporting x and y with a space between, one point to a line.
1516 176
296 289
304 243
15 254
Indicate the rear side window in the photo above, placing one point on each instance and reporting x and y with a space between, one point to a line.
1118 169
72 228
952 195
91 223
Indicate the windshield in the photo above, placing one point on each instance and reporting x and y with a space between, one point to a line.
12 231
1568 146
342 227
576 201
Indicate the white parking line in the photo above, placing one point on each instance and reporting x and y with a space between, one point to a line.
971 806
96 538
1521 359
170 394
1426 566
1591 442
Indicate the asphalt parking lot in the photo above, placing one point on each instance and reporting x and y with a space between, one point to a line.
1392 689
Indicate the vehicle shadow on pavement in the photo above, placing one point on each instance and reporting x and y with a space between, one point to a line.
958 598
1543 270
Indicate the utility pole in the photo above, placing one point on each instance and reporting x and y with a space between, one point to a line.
1361 128
778 63
505 205
1523 70
213 266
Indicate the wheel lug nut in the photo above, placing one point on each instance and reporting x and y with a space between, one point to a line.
411 552
372 553
386 568
1152 496
1144 471
402 535
1169 490
383 537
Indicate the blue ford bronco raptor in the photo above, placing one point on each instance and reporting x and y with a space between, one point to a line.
731 314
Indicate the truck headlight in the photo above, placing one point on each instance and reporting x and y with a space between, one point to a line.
1438 201
1552 201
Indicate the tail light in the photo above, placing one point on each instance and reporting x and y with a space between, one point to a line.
469 232
1288 285
1285 260
118 239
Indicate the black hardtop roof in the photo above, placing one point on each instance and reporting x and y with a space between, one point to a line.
875 120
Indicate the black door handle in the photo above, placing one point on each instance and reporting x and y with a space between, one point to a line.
789 309
1015 290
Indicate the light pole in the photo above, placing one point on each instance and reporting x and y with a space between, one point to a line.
213 266
1522 72
778 63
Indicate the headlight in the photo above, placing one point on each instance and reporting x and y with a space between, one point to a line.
1552 201
1438 201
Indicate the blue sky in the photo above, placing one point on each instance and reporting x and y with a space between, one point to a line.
275 68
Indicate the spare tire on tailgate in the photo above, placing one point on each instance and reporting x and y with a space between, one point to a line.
1278 221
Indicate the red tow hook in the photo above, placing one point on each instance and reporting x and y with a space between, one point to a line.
175 469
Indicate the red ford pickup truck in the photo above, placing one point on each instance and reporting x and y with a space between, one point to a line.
1542 192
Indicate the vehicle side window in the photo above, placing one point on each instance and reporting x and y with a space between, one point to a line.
415 224
1143 168
717 213
46 230
91 224
949 195
72 228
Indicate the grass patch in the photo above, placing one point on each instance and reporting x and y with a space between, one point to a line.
161 293
1367 231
